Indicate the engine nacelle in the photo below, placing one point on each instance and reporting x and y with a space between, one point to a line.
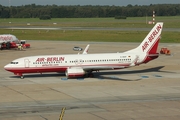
75 72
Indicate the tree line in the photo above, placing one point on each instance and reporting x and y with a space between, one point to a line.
88 11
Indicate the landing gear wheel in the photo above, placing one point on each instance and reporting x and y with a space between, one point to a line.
89 74
22 77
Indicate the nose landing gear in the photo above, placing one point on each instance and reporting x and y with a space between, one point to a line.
19 74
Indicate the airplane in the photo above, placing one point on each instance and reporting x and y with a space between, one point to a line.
4 38
80 65
11 41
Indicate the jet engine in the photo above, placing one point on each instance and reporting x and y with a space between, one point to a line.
75 72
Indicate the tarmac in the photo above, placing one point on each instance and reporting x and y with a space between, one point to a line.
147 92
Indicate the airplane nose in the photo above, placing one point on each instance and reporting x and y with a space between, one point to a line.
6 67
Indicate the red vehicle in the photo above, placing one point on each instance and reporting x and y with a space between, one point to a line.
24 44
165 51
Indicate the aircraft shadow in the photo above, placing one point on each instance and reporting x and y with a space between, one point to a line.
154 69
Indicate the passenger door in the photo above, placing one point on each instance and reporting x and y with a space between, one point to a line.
26 63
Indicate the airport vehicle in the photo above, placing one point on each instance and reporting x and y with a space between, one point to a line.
77 49
24 43
79 65
8 41
165 51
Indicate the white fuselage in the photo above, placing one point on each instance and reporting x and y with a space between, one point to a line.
59 63
78 64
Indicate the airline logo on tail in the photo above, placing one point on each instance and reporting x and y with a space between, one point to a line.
152 37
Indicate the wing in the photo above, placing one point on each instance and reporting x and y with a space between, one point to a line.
94 68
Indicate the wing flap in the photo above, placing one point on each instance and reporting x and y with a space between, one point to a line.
86 68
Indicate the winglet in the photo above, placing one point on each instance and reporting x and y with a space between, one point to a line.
86 49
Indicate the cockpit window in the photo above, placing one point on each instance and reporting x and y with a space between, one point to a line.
14 62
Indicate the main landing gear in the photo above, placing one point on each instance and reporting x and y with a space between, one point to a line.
22 77
90 74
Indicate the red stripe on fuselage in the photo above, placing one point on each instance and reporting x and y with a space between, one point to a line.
36 69
55 69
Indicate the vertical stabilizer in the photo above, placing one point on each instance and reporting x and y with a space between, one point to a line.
150 44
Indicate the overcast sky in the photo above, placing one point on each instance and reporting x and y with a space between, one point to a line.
87 2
